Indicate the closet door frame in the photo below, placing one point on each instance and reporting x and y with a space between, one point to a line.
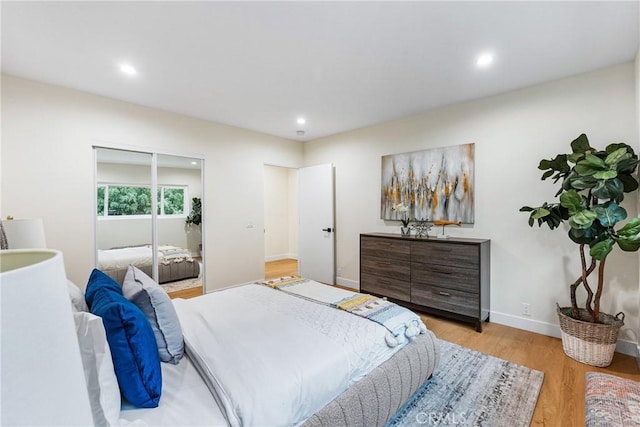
154 200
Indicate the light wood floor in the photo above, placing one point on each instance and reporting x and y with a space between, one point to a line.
562 397
186 293
283 267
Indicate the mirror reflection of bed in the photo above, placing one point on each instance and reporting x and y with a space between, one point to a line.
124 220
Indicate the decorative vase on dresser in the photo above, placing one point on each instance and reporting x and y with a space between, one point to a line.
449 278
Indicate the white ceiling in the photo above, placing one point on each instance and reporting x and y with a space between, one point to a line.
342 65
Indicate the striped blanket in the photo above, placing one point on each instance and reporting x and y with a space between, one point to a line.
402 324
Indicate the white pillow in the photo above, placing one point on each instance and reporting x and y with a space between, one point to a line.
77 297
156 305
102 384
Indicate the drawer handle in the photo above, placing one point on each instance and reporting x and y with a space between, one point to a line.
444 294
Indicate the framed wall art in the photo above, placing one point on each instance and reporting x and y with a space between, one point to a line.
431 184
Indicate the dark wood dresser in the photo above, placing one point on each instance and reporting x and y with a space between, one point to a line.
446 277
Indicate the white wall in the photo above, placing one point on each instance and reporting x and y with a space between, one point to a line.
280 188
292 201
512 132
47 169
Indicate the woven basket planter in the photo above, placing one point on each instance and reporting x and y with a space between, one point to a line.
586 342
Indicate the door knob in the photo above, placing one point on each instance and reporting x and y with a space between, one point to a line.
328 230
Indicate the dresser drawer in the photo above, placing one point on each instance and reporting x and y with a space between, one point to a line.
459 255
392 268
462 279
445 299
387 248
385 286
446 277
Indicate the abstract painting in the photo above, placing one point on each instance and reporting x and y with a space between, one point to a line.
432 184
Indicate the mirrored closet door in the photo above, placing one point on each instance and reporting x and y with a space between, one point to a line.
148 214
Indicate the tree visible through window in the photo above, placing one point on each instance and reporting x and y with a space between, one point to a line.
136 200
172 201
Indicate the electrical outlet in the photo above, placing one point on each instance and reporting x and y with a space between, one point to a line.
526 309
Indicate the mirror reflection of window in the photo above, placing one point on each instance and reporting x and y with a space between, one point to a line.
125 217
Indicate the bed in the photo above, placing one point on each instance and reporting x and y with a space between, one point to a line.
258 354
174 263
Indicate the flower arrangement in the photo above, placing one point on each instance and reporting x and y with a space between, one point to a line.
399 207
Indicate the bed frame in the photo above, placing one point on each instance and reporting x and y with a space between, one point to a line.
376 398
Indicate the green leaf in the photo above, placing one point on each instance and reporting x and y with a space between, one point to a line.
628 237
572 201
526 209
616 156
608 174
581 144
617 145
629 245
582 219
544 164
539 213
575 181
611 189
575 157
631 229
627 165
601 249
558 163
609 214
547 174
629 183
589 165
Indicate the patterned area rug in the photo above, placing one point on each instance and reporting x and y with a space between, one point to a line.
470 388
612 401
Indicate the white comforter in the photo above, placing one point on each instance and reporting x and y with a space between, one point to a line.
275 359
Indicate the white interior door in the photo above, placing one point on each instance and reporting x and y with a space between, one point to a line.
316 232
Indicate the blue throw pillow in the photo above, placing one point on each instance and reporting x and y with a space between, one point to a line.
131 340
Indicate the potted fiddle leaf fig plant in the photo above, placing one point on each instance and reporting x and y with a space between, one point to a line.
593 185
195 216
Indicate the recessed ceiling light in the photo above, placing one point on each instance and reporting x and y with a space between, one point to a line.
484 60
194 163
128 69
301 120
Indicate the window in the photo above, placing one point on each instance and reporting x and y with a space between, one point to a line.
132 200
171 201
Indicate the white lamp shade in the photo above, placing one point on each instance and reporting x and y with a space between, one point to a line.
42 375
24 233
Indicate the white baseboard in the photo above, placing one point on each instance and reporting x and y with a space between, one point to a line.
552 330
353 284
279 257
530 325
